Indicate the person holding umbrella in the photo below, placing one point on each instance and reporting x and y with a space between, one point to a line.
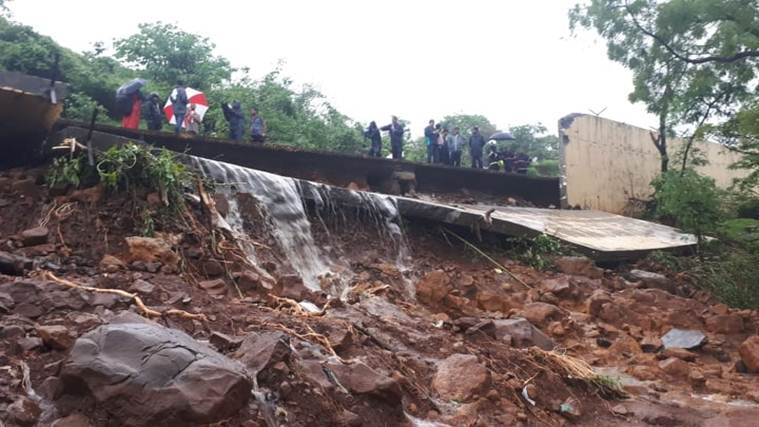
179 102
129 103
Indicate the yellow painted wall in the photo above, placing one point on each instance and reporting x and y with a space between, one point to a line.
606 163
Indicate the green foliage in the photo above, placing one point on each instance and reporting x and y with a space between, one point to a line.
742 231
531 139
538 252
166 53
65 172
749 209
693 200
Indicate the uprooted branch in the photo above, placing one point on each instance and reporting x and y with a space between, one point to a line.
147 312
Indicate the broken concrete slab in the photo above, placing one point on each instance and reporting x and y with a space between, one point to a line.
683 338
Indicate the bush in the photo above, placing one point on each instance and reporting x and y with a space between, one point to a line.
691 200
749 209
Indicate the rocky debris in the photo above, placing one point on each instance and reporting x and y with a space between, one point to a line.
359 378
433 287
560 287
24 412
14 265
675 367
292 286
55 336
725 324
142 287
651 280
680 353
650 344
682 338
521 333
540 313
223 342
459 377
597 300
214 287
260 351
171 378
111 264
578 266
73 420
749 352
34 236
151 250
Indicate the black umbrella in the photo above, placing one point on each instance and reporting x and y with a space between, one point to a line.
502 136
130 87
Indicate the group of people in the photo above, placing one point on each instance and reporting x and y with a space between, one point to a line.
395 129
185 114
445 147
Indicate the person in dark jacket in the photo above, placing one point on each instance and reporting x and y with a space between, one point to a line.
373 134
430 139
236 120
396 131
257 127
153 112
179 102
476 144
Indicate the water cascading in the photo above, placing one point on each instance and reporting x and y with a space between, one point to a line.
283 200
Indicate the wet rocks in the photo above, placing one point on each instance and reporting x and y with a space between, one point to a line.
151 250
433 287
578 266
521 333
292 286
683 338
55 336
34 236
13 265
460 377
260 351
142 287
675 367
23 412
359 378
145 374
749 352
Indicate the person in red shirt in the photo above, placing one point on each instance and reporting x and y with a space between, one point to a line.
132 120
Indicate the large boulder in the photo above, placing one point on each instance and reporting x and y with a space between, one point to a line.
460 377
142 374
749 352
34 236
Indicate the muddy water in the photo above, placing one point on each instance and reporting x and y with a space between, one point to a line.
284 202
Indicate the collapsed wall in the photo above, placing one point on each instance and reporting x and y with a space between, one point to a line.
605 164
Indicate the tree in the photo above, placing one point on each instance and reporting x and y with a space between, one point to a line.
692 60
166 53
531 139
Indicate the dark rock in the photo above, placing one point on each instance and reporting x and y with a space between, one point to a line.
106 300
50 388
522 333
247 280
26 187
29 343
24 412
559 287
651 280
214 287
224 342
650 344
194 252
460 377
6 303
597 301
142 287
603 342
359 378
145 374
213 269
14 265
10 332
260 351
540 313
484 328
153 267
683 338
29 310
34 236
55 336
292 286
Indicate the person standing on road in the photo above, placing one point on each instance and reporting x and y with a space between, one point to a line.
396 131
192 121
429 139
442 146
179 103
257 127
476 145
132 119
373 135
236 120
154 115
455 143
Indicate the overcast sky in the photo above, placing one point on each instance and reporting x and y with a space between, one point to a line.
513 61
